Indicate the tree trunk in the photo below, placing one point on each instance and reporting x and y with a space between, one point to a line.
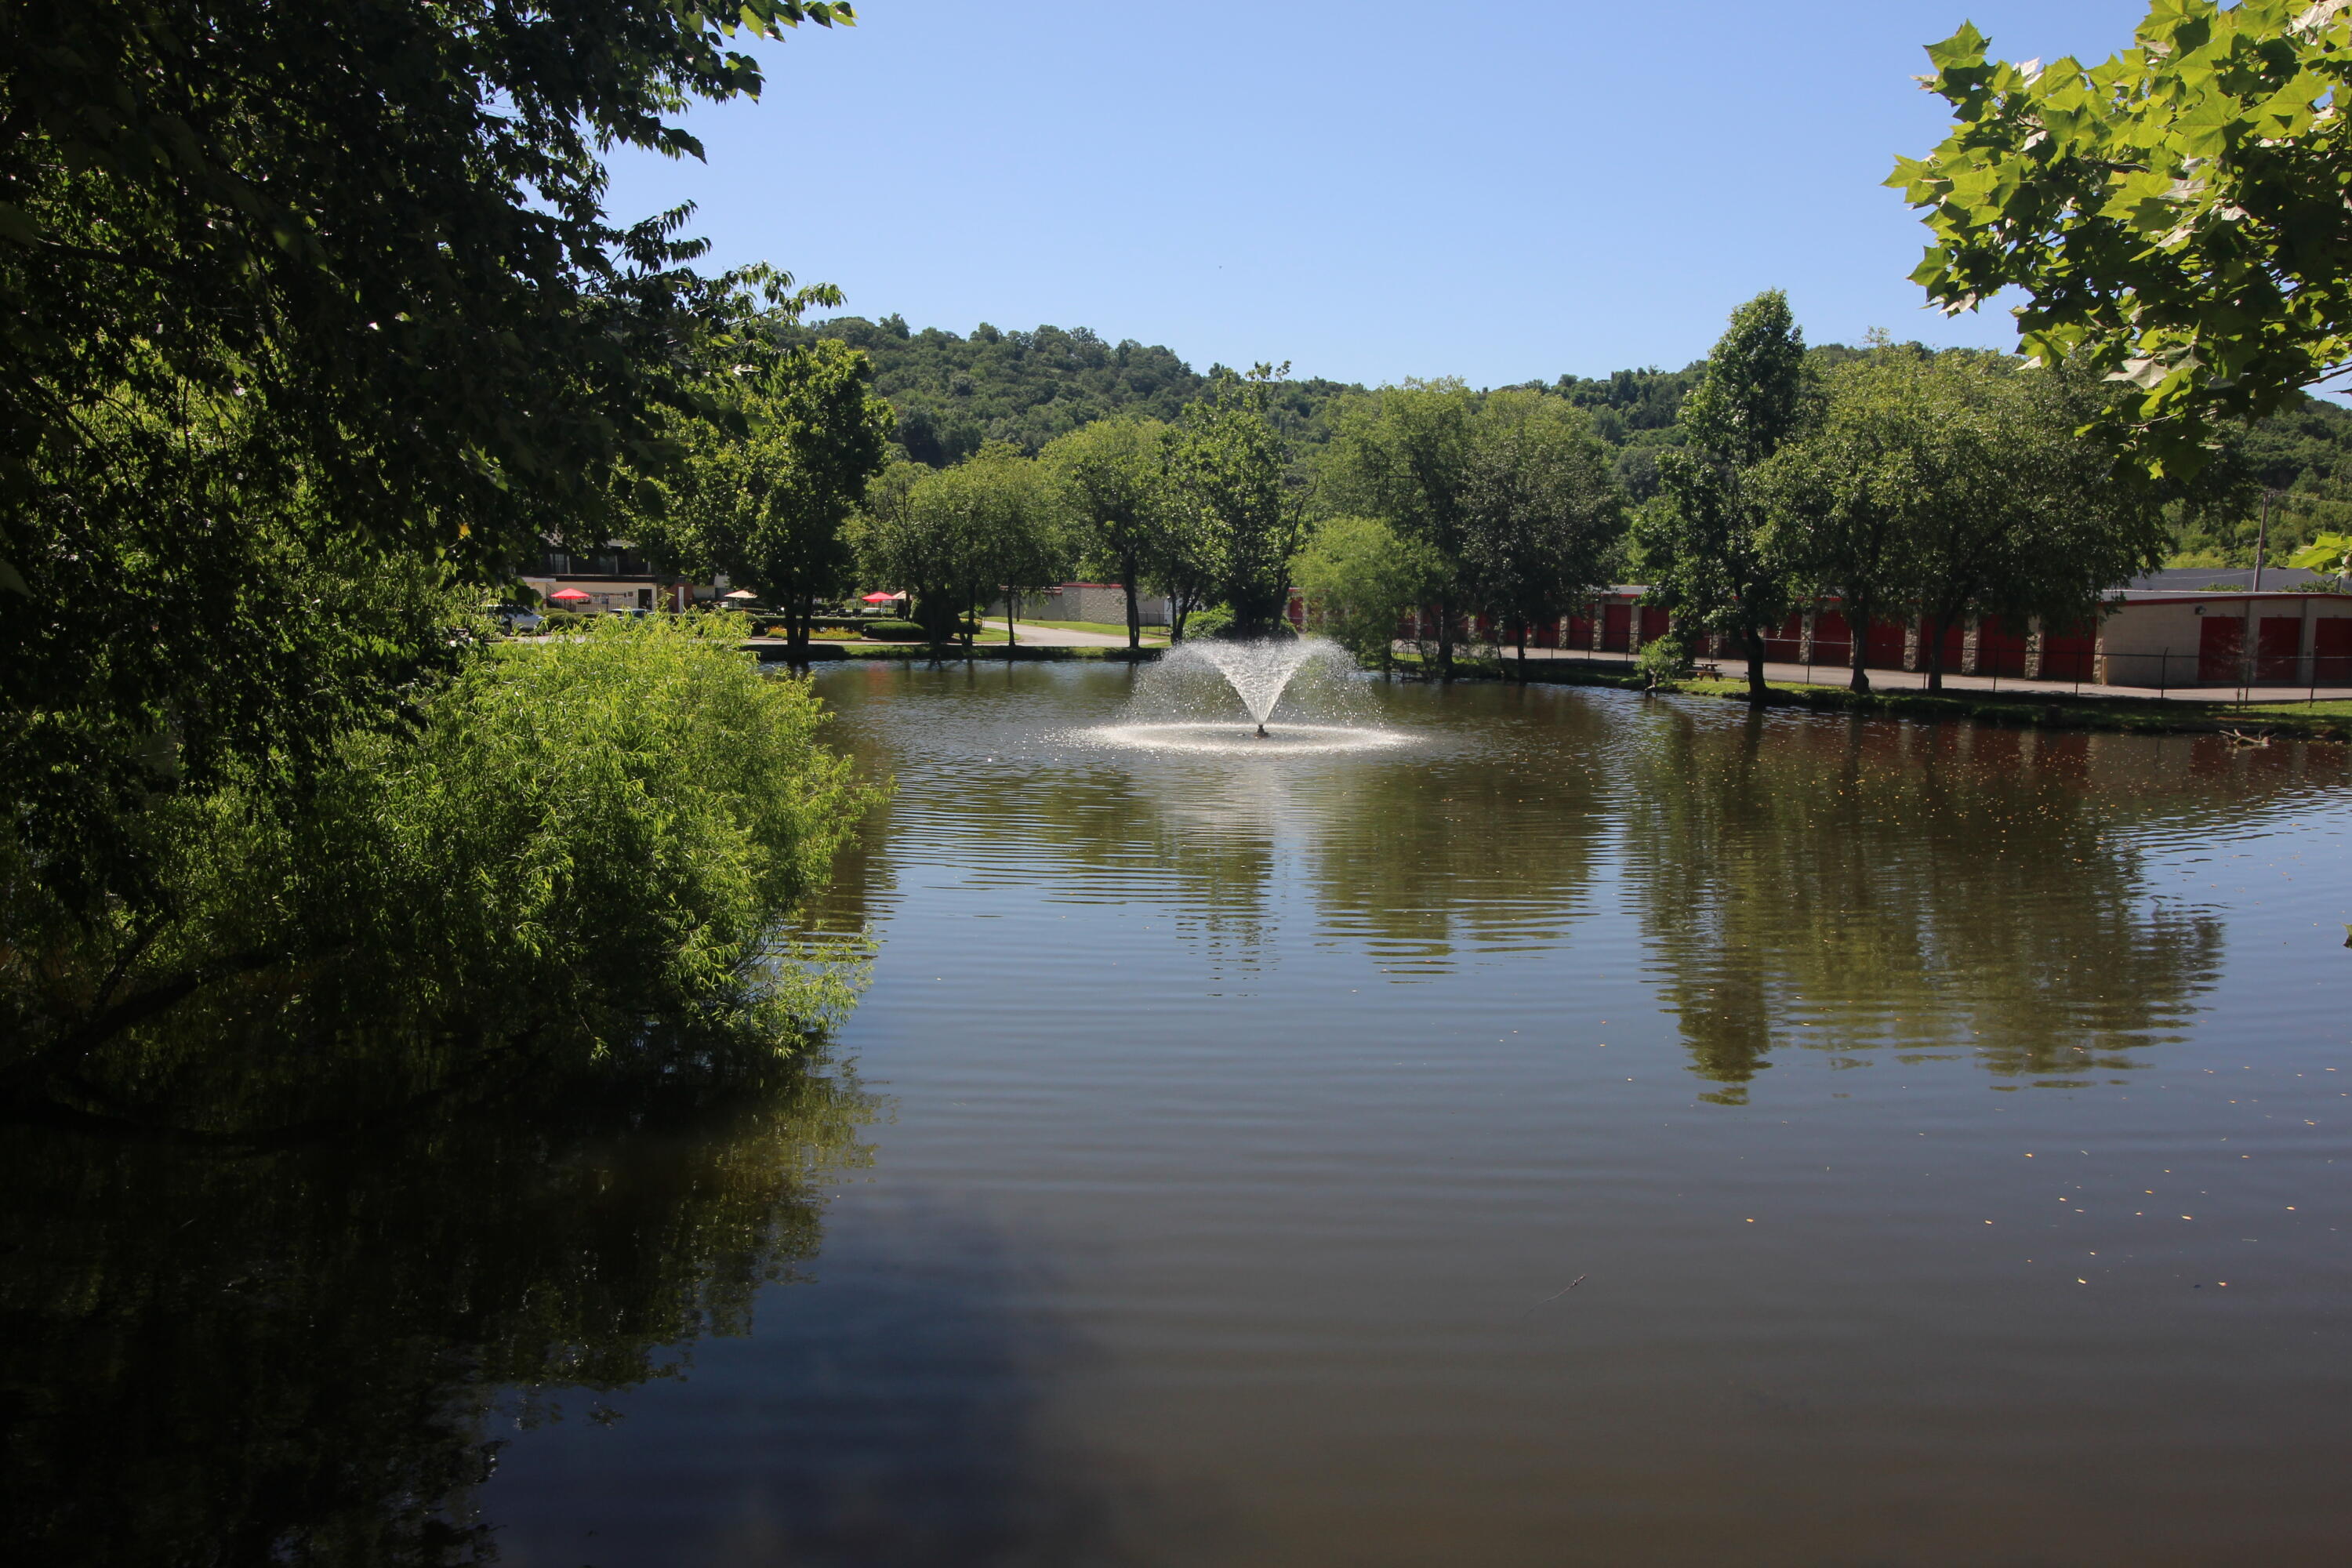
1756 691
1523 651
1011 618
799 612
1857 625
1934 652
1445 638
1134 610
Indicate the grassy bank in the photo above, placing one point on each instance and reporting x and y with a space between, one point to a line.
2053 709
997 652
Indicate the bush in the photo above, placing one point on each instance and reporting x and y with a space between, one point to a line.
1208 621
1668 657
912 631
587 847
1361 579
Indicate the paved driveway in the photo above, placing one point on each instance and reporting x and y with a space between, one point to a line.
1051 636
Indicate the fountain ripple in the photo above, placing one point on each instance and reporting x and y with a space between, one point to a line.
1279 740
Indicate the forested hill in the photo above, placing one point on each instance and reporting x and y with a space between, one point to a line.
954 392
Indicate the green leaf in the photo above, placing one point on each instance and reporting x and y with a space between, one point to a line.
1964 48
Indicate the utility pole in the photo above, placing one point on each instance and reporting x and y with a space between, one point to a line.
2263 538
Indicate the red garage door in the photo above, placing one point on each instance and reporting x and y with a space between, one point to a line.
2066 656
1884 647
1616 628
2220 651
1999 651
1580 630
1954 641
2331 651
1654 625
1832 639
2278 648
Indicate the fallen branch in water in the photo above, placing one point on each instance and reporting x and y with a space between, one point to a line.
1556 1295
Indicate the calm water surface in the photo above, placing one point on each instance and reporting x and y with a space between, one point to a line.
1596 1131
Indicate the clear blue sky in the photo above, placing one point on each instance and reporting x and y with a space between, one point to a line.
1370 190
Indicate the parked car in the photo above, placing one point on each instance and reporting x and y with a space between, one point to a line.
516 618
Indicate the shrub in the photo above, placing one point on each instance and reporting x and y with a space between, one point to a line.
587 847
892 631
1208 621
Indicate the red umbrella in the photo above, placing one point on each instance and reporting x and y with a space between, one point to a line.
567 595
881 598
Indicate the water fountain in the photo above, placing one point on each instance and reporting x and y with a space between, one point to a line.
1207 677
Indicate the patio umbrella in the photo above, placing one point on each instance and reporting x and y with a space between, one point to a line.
567 596
881 598
741 594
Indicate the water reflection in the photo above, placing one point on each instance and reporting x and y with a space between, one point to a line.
218 1354
902 1415
1844 886
1850 886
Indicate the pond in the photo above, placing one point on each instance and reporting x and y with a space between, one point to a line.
1579 1129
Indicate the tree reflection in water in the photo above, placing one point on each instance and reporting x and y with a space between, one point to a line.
223 1353
1851 887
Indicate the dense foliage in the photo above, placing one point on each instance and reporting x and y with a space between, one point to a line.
955 537
953 394
763 495
1111 481
2175 214
586 846
1947 486
1232 476
303 309
1702 541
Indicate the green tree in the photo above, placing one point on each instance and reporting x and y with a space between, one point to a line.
1704 540
767 507
908 541
1227 465
1847 500
2175 214
1954 485
2036 521
1361 579
1542 510
954 537
1406 455
295 299
1110 476
1187 562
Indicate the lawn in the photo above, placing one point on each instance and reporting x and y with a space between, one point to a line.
1108 628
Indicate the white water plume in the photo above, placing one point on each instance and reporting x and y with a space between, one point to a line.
1259 671
1185 701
